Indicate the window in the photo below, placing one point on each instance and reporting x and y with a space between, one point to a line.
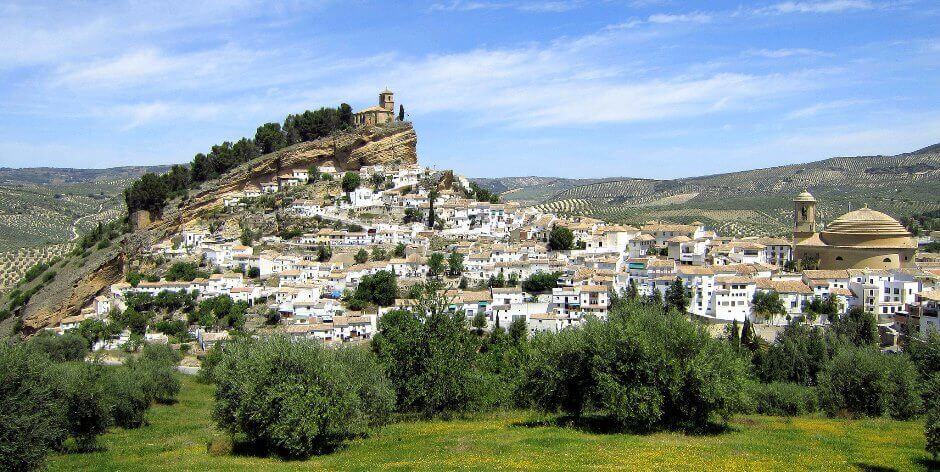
839 258
887 259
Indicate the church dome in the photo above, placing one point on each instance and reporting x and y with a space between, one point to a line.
805 197
867 228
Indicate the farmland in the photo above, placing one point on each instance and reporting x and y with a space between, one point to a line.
178 436
749 202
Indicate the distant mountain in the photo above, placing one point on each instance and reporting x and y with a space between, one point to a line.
748 202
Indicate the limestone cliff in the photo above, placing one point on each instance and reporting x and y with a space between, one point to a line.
75 287
351 151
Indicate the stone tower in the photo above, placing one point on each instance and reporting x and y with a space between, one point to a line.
387 100
804 216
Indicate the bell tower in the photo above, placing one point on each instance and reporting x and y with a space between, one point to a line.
804 216
387 100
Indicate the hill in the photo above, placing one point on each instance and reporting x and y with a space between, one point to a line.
532 189
42 209
755 201
77 277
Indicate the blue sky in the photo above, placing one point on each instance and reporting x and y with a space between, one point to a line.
568 88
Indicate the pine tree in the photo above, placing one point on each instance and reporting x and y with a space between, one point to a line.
746 340
734 337
632 292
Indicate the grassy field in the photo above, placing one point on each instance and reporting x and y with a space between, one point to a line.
177 437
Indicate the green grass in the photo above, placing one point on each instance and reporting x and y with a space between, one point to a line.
177 436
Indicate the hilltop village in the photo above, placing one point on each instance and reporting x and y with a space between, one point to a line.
317 251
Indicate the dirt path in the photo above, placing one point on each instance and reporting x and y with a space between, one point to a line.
80 218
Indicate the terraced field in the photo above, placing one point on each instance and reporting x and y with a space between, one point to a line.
45 206
759 201
16 262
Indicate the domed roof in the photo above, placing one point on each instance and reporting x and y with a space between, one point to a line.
866 221
805 197
867 228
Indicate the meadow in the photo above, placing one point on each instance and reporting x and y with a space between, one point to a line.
178 436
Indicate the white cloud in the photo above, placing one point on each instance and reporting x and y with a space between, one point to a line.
136 115
818 108
786 52
827 6
697 17
557 6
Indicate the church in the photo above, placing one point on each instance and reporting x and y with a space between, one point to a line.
859 239
377 115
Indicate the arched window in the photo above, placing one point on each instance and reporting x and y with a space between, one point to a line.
887 259
838 258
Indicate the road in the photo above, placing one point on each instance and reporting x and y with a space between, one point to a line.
183 369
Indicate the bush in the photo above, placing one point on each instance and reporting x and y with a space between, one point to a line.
432 358
782 399
643 370
932 433
797 355
81 391
30 414
127 399
853 383
295 399
68 347
156 369
902 390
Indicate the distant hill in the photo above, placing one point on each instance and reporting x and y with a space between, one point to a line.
43 208
60 176
531 190
748 202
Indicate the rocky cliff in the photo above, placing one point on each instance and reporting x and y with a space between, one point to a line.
76 287
345 151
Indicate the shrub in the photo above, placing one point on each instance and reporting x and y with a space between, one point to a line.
30 414
932 433
81 391
782 399
432 358
155 367
902 389
127 399
643 370
295 399
797 355
853 383
68 347
932 423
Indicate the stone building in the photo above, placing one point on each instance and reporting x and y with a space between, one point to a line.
860 239
377 115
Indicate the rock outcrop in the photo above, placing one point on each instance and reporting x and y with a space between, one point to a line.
75 288
365 146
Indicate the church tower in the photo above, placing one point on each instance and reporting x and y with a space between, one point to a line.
387 100
804 216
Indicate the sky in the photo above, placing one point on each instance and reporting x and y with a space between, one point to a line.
567 88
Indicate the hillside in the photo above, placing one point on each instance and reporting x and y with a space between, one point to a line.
532 189
79 276
757 201
42 209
